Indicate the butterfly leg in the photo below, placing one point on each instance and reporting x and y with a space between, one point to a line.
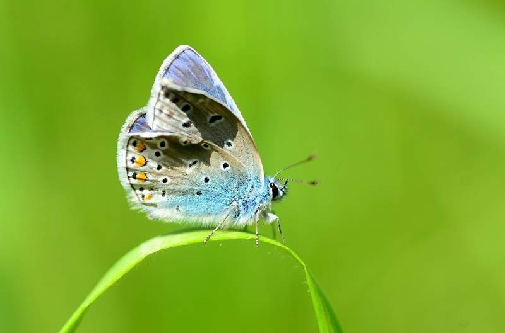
219 225
280 230
269 218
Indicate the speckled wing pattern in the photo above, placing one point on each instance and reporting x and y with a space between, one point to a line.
188 155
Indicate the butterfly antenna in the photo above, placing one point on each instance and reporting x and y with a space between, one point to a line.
310 158
307 182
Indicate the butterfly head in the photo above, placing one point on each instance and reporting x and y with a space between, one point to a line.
278 188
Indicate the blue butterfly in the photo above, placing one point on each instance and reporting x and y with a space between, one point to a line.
189 157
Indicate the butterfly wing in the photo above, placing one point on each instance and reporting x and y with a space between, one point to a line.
189 154
189 70
176 181
213 122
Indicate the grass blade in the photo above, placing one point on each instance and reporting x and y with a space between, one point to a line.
326 319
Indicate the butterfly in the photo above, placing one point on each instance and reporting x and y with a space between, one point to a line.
189 157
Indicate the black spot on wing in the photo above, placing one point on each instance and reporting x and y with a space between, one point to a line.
215 118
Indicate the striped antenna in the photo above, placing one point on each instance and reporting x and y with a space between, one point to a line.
307 182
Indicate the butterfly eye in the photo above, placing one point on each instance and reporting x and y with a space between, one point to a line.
275 191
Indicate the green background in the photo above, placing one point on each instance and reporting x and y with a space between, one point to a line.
403 101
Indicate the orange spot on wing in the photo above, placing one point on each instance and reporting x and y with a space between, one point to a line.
141 147
140 161
141 177
148 197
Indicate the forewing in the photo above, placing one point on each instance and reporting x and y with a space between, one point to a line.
187 69
214 123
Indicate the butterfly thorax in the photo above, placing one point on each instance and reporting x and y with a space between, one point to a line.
258 201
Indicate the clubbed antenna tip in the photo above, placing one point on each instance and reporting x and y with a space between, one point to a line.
310 158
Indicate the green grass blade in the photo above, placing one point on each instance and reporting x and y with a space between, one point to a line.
326 319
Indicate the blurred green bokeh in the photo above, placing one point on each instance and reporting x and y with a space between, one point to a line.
403 102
